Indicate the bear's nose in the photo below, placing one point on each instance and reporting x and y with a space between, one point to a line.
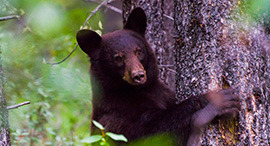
138 77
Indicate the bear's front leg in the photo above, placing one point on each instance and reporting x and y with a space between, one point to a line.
224 102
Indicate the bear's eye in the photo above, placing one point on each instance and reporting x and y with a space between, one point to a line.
138 51
118 57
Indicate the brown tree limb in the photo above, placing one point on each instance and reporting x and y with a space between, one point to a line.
8 17
107 6
64 58
169 17
167 67
18 105
13 12
95 11
171 70
164 66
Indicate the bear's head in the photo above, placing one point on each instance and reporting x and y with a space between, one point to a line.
123 55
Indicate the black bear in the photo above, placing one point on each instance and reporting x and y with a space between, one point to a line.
128 98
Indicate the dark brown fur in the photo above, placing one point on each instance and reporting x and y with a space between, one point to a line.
128 97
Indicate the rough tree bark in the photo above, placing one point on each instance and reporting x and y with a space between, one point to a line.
215 48
4 125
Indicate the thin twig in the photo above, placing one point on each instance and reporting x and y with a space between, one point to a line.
171 70
18 105
8 17
20 20
169 17
164 66
64 58
85 22
167 67
95 11
113 8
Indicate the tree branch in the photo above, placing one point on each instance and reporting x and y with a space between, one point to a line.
167 67
18 105
164 66
85 22
171 70
113 8
107 6
13 12
8 17
95 11
169 17
45 61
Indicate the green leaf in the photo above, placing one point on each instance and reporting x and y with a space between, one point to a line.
104 143
84 27
117 137
98 32
50 131
22 12
91 139
100 25
98 125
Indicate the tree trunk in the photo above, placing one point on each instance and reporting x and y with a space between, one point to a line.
215 47
159 33
4 125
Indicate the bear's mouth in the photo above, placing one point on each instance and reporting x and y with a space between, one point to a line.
135 78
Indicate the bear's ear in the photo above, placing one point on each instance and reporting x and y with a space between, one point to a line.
136 21
89 41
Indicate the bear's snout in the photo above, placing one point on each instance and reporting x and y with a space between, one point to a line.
135 73
138 77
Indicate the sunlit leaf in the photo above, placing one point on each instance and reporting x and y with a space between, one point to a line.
84 27
117 137
41 92
98 125
22 12
104 143
91 139
23 141
98 32
25 29
44 61
100 25
50 130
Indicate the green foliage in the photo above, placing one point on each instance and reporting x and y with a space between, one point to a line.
163 139
256 10
92 139
117 137
60 95
98 125
102 138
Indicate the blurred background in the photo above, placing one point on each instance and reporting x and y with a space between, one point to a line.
60 95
